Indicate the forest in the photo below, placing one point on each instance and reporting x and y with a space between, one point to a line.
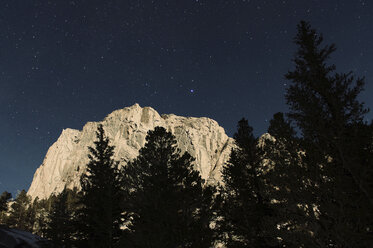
307 183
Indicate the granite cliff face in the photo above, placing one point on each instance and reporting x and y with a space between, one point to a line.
66 159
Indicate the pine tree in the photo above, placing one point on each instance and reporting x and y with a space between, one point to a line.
288 185
60 225
244 208
166 197
325 106
40 210
4 199
100 215
20 213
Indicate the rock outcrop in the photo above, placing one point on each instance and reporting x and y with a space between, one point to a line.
66 159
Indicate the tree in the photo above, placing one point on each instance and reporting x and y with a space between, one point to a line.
100 217
40 209
4 198
166 198
243 206
60 225
325 106
288 185
20 213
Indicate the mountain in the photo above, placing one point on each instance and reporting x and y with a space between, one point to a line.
126 128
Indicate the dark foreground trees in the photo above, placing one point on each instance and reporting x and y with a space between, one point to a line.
337 142
289 186
21 213
165 197
242 206
60 221
314 188
99 217
311 189
4 199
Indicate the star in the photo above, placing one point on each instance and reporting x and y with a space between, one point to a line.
90 59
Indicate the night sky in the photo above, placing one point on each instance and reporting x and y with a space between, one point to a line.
64 63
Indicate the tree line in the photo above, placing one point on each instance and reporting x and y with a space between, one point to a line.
307 183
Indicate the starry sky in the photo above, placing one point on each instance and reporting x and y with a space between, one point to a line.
64 63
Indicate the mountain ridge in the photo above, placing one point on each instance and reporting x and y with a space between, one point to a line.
126 128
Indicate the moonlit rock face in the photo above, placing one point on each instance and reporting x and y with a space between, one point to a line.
126 128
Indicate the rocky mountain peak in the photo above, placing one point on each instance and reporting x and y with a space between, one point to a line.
126 128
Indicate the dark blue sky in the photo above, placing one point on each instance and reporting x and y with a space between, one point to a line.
63 63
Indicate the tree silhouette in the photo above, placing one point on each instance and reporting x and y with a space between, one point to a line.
60 225
243 207
100 215
166 197
20 213
289 185
4 198
325 106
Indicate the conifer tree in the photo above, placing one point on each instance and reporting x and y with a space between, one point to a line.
166 198
244 208
40 211
4 198
325 106
20 213
60 225
288 185
100 215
